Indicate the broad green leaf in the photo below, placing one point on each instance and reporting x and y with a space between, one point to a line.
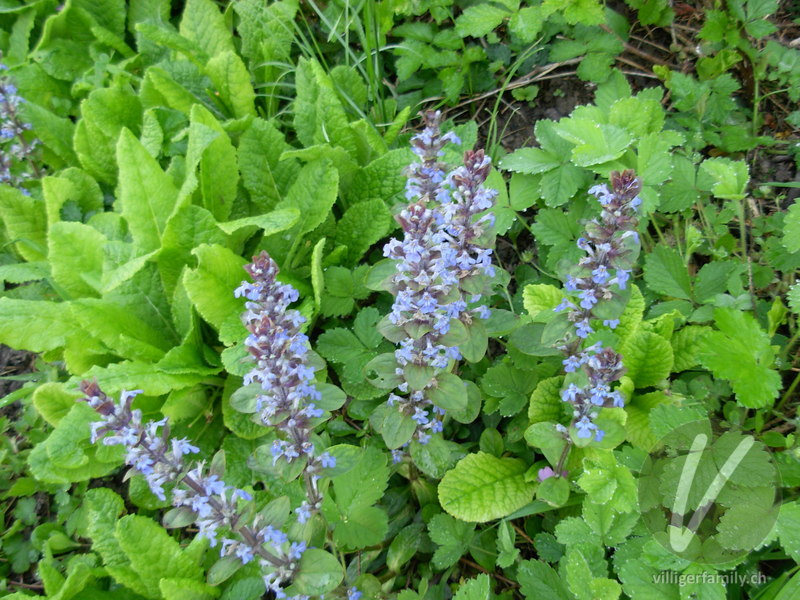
75 254
210 286
740 352
264 174
187 589
55 133
147 195
453 538
106 113
530 161
510 385
153 554
665 273
686 345
25 221
546 403
482 487
788 527
595 143
270 223
361 226
132 375
203 24
540 297
648 358
232 80
382 179
34 325
119 329
560 185
607 482
319 117
313 194
319 573
791 228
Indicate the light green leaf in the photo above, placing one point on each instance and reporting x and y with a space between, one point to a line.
270 223
791 228
788 527
75 254
232 80
686 345
187 589
382 179
546 403
729 177
538 581
482 487
648 358
34 325
153 554
595 143
478 588
203 24
479 19
740 352
106 112
210 286
540 297
146 194
319 573
25 220
530 161
132 375
313 194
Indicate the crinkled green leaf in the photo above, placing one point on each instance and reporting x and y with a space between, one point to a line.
210 286
313 194
482 487
361 226
740 352
232 80
648 358
665 273
203 24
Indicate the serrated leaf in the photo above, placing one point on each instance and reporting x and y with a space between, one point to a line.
75 254
480 19
665 273
530 161
538 581
203 24
264 174
361 226
453 538
33 325
595 143
382 179
25 221
540 297
686 345
741 353
729 177
482 487
313 194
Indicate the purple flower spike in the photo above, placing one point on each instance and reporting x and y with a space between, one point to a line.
601 274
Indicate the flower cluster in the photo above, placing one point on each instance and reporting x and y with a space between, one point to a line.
15 149
286 400
441 262
611 244
211 504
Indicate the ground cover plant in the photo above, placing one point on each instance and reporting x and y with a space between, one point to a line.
399 300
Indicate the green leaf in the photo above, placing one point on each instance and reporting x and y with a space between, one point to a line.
546 403
482 487
480 19
478 588
146 194
540 297
559 186
665 273
607 482
729 178
264 174
538 581
34 325
595 143
230 76
648 358
361 226
448 392
382 179
530 161
313 194
210 286
75 254
319 572
687 343
740 352
510 385
554 491
187 589
453 538
203 24
106 113
397 428
153 554
791 228
25 221
269 223
788 528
